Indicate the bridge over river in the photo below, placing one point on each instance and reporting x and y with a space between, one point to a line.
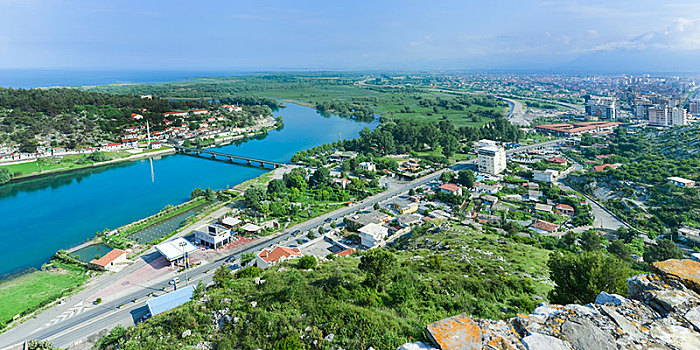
200 152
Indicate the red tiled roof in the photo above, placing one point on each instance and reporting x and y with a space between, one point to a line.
602 167
278 253
450 187
545 225
565 207
557 160
576 127
346 252
108 258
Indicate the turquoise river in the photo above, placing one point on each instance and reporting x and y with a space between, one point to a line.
41 216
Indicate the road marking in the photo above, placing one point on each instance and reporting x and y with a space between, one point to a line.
75 310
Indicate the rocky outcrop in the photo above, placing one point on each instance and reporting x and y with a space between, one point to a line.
662 312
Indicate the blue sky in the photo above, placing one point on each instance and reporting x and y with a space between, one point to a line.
259 34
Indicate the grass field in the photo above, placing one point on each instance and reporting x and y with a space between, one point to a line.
30 291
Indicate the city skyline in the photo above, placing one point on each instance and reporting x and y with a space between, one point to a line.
310 35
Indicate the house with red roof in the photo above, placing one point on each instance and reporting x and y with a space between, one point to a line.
451 189
541 226
603 167
557 160
109 260
269 257
345 253
199 111
176 114
565 209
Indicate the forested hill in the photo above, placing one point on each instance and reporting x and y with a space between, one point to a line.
72 118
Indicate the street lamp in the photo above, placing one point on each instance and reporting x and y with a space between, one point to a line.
182 245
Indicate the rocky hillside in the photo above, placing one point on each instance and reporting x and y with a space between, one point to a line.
662 312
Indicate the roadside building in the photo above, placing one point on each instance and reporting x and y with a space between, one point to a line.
565 209
170 300
231 222
491 160
365 218
176 251
411 219
373 235
689 233
451 189
681 182
543 227
545 175
557 160
345 253
269 257
109 260
250 229
215 236
404 205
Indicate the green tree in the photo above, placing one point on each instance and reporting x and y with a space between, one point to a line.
275 187
197 192
377 264
247 257
580 277
620 250
112 339
35 344
253 196
222 276
209 194
590 241
307 262
626 234
5 175
321 177
466 178
663 250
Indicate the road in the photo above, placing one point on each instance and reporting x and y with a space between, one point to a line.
91 320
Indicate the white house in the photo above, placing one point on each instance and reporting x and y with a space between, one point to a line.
109 260
545 175
215 236
373 235
176 251
681 182
369 166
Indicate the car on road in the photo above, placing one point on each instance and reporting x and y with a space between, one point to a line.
175 280
295 232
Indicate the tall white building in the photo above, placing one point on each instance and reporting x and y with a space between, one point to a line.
492 159
602 107
665 116
678 116
658 116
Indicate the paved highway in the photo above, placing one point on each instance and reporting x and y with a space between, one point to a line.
108 315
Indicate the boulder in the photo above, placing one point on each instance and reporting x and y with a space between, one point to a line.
685 271
537 341
186 333
456 332
605 298
584 335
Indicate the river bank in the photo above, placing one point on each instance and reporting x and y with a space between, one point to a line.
52 172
